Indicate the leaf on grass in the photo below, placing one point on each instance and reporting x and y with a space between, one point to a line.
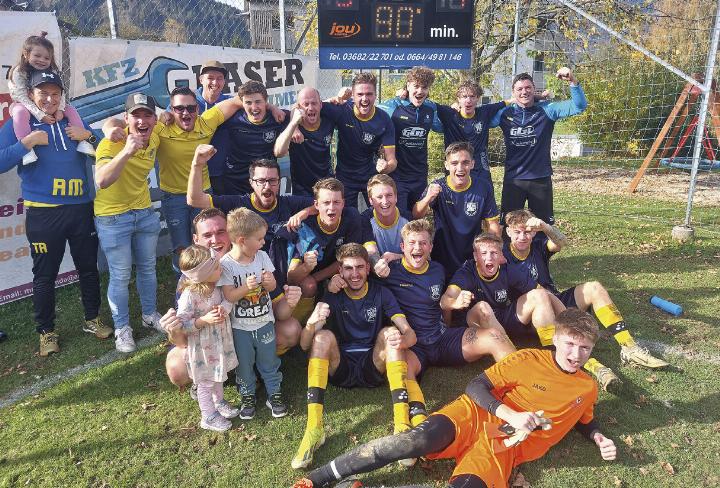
689 440
212 441
674 446
611 421
354 439
644 471
520 481
617 481
668 468
628 440
148 406
104 427
652 379
250 437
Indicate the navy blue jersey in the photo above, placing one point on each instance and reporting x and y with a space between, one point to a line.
356 322
285 207
475 130
458 215
248 141
537 263
500 291
528 134
386 237
312 237
358 140
310 160
412 127
418 293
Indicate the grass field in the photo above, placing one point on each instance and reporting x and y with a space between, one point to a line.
124 424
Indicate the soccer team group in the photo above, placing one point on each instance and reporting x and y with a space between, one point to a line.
372 297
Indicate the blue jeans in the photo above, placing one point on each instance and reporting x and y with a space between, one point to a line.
257 348
179 216
126 238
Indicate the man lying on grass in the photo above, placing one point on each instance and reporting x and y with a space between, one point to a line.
512 413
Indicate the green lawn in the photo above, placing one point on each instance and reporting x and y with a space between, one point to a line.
125 425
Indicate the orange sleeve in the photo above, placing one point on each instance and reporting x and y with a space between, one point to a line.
589 412
506 374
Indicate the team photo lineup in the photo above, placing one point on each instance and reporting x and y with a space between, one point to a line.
373 271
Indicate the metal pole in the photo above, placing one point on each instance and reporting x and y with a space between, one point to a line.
635 45
282 26
515 38
304 33
700 130
111 17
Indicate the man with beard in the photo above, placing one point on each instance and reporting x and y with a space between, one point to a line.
310 160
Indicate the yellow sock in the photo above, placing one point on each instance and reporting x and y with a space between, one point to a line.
397 374
303 310
593 365
416 400
546 334
317 383
610 318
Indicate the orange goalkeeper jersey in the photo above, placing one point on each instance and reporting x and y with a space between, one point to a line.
530 380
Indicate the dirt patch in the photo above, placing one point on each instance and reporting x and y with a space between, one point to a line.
663 185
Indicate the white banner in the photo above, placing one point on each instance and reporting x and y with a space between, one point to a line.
15 261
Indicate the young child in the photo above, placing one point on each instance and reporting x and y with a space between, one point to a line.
37 54
247 280
210 354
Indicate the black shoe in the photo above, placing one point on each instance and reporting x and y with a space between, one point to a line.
276 405
247 407
3 336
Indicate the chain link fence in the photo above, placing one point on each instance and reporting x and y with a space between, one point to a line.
642 65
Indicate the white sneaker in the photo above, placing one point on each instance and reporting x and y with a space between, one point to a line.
124 341
152 321
216 422
30 157
86 148
227 410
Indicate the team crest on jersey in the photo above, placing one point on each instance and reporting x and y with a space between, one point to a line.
533 271
269 136
328 139
435 292
371 314
501 295
368 138
478 127
471 208
339 242
427 117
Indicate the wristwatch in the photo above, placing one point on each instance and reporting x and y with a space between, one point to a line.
92 139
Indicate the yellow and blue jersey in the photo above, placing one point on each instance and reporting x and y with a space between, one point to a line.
499 291
356 321
359 140
418 293
458 214
387 237
536 264
475 130
311 160
249 141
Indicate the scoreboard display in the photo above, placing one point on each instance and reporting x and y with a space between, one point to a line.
395 33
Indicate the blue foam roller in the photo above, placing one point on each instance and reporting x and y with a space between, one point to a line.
669 307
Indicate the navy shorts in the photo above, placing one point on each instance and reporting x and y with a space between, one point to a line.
567 297
356 369
514 328
446 351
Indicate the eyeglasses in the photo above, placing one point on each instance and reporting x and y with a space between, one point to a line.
181 108
262 181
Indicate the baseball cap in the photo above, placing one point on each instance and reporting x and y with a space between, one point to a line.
139 100
39 77
213 65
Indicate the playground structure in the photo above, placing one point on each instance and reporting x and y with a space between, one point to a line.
674 123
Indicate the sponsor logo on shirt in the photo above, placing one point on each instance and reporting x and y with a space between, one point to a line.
478 127
328 139
471 208
522 131
533 271
368 138
370 314
414 132
501 296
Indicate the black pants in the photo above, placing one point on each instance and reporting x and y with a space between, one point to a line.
48 230
538 193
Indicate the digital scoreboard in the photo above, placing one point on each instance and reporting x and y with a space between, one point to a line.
395 33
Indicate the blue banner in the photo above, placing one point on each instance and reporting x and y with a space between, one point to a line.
394 57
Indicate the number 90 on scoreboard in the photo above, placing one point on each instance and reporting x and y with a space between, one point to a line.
395 33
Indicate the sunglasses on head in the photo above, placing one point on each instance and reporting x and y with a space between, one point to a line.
182 108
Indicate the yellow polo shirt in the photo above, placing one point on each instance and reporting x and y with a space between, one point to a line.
130 191
177 148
